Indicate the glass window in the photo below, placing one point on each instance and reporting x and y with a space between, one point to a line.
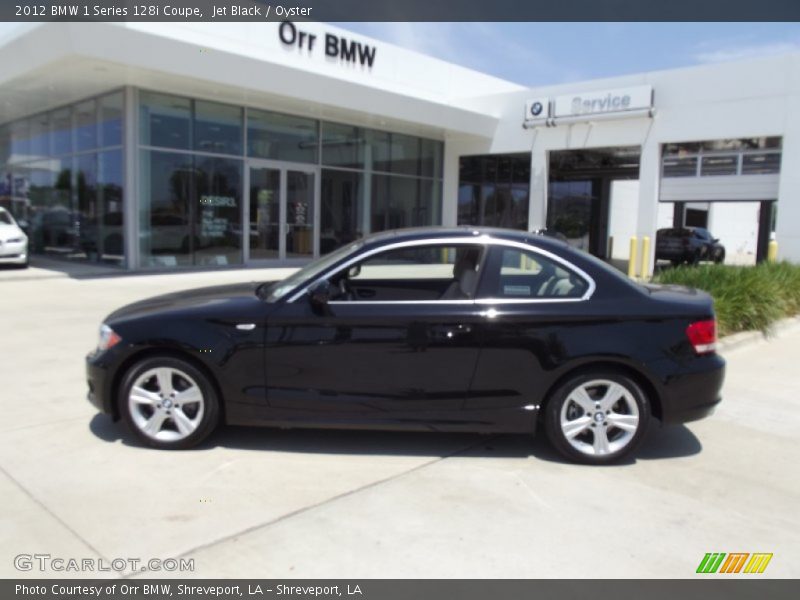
5 144
405 154
378 152
494 190
165 120
87 210
167 183
85 125
61 131
680 167
110 201
523 274
719 165
398 202
417 273
342 146
218 216
342 209
431 158
682 148
20 140
40 135
217 128
761 164
47 187
282 137
111 120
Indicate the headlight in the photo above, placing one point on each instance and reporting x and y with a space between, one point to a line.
108 338
15 240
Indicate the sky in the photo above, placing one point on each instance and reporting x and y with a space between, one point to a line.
534 54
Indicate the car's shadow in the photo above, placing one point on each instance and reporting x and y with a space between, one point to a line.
659 443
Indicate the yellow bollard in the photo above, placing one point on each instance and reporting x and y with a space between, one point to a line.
772 251
632 258
645 271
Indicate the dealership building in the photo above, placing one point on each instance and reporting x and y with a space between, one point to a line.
171 146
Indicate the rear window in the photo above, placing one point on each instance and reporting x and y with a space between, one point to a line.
676 233
520 274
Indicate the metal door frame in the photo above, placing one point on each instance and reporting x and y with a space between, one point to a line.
282 167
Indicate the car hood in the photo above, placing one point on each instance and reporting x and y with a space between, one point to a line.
201 300
10 231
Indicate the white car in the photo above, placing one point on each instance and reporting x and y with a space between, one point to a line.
13 241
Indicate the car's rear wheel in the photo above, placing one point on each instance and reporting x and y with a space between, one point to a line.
597 417
719 256
168 403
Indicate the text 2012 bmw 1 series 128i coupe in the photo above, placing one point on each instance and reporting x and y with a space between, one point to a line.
437 329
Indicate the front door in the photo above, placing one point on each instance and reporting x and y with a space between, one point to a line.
397 344
281 212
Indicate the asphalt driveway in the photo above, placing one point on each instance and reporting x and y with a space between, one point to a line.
274 503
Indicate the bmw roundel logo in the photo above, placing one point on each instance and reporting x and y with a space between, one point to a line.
536 109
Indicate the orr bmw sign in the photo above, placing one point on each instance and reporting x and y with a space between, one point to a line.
348 51
621 102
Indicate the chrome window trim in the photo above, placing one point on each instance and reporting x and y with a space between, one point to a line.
482 240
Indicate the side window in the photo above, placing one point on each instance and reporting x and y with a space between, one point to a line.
431 272
521 274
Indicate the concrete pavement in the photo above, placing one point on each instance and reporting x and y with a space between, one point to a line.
265 503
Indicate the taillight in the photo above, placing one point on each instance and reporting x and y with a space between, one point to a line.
703 336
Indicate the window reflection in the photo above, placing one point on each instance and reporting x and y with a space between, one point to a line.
342 209
85 126
164 120
217 128
217 222
281 137
494 190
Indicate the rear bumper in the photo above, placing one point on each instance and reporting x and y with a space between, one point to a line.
693 394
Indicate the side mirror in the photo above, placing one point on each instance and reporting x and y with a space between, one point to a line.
319 295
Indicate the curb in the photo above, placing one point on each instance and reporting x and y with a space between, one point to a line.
744 339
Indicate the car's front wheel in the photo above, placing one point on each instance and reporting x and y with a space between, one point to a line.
168 403
597 417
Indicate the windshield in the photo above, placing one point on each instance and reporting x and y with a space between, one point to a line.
5 218
308 273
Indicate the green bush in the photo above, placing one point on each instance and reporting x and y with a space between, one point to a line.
745 298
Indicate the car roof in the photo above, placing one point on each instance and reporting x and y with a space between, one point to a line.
467 232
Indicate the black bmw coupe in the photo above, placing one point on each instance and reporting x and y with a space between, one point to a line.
458 329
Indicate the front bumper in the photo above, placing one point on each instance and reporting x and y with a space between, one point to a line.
99 380
13 254
692 394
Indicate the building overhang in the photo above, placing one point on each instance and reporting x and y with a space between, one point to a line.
57 63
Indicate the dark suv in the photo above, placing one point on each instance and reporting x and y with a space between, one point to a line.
689 245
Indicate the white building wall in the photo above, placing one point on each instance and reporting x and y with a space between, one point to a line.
754 98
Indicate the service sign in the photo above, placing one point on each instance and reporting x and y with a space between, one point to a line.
605 101
537 109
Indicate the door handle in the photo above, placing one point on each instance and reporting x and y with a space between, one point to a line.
362 293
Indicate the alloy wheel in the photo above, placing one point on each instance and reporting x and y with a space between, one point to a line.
166 404
599 417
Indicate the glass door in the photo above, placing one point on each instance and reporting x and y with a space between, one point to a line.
265 214
281 212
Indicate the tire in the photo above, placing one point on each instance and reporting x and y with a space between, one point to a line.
573 422
168 403
719 257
